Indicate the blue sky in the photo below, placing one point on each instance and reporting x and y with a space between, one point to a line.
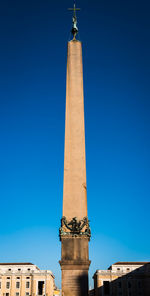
33 51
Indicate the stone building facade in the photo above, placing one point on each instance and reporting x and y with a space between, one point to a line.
123 279
25 279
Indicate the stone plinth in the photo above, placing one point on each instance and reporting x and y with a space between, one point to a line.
75 265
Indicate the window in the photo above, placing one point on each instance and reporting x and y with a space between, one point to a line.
119 285
17 285
118 268
17 293
8 278
18 278
9 269
139 284
8 285
19 269
27 293
27 285
128 269
106 288
0 285
29 269
40 287
7 294
129 285
27 277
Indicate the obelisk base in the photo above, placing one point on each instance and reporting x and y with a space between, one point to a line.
75 265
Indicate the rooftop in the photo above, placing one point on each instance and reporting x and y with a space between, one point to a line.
130 263
16 263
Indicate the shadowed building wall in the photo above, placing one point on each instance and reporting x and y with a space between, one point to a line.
123 279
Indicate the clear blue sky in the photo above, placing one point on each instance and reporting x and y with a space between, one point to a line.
116 55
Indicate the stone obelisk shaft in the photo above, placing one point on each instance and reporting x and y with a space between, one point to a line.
74 231
74 194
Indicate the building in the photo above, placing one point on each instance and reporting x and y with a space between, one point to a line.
74 230
123 279
57 292
25 279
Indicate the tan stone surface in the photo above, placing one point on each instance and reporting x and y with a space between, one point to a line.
74 195
74 282
75 265
75 248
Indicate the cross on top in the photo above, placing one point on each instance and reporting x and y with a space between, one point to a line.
74 9
74 30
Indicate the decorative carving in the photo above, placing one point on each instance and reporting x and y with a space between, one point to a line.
74 30
75 227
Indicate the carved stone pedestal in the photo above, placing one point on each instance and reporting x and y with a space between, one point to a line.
75 265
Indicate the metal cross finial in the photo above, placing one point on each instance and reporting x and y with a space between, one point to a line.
74 29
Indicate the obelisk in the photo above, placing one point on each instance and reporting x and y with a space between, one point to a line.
75 230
